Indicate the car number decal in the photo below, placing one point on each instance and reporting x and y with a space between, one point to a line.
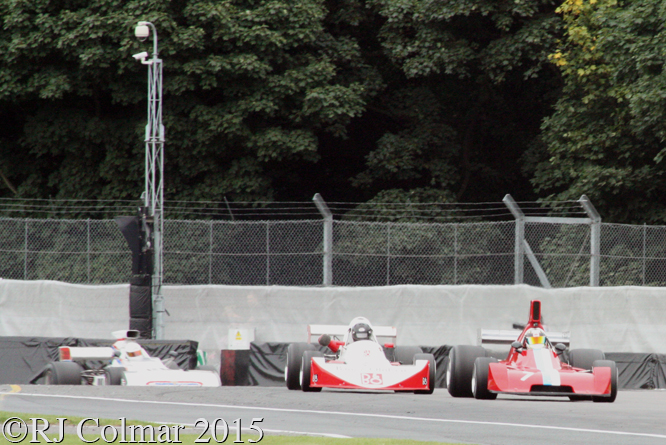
527 375
369 378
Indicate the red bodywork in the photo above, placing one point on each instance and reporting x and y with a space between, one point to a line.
541 372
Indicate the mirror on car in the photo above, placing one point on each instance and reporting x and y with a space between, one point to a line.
517 345
560 348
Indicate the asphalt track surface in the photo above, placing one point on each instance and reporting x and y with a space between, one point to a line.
636 417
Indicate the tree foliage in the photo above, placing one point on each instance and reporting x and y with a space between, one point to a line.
461 95
606 136
249 86
274 100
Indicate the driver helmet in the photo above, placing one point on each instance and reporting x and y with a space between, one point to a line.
535 338
133 352
361 331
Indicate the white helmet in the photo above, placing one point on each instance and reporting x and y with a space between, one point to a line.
134 351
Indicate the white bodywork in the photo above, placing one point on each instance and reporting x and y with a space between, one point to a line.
363 364
140 369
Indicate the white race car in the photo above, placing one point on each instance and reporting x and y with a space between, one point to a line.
358 361
124 363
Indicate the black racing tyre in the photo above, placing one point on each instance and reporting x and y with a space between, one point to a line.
583 358
293 369
405 354
305 370
63 373
114 375
431 374
613 393
480 379
461 368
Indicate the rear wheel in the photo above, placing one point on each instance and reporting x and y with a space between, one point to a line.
405 354
306 368
584 358
613 383
63 373
293 369
480 379
431 374
461 369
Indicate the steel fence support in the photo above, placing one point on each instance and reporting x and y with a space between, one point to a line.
519 250
210 253
455 253
644 249
543 278
25 251
88 250
268 253
595 239
328 239
388 254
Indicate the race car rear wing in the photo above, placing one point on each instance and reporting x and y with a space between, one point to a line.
81 354
506 337
315 330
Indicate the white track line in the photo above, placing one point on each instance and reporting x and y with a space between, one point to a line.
341 413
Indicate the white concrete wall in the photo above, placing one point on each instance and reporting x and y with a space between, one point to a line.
614 319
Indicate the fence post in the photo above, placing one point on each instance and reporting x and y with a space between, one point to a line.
388 254
88 250
25 251
268 253
328 238
519 250
595 239
210 253
644 249
455 253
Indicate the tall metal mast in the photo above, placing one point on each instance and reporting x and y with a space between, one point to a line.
154 192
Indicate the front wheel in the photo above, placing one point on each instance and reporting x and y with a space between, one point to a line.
613 382
461 369
431 374
293 369
480 379
306 368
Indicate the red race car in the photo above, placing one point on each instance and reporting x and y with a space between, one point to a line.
535 366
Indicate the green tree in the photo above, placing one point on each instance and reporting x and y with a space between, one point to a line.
249 87
606 136
467 86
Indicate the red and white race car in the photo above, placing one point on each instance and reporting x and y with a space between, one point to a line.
534 366
358 361
124 363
